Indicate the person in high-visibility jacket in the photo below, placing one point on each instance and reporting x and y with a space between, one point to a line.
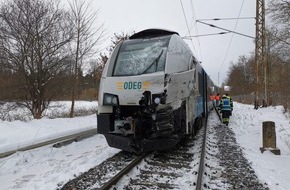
212 99
231 102
217 100
226 109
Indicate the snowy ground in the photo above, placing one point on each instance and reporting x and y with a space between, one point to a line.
247 125
48 167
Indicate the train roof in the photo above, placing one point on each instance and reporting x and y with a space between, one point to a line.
149 33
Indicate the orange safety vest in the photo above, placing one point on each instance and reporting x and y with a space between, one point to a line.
218 97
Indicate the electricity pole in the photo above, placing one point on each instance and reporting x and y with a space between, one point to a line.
260 55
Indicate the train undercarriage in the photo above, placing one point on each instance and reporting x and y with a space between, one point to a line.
143 128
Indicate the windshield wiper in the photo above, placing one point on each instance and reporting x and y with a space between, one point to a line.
156 60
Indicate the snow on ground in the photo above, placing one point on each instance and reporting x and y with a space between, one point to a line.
18 134
21 134
247 125
47 167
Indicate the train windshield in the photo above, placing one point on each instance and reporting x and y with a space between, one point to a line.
141 56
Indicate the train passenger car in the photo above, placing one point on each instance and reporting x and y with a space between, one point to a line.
153 92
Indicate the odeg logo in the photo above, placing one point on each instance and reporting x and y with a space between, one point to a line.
133 85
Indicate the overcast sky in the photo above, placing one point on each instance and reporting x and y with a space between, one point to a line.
214 51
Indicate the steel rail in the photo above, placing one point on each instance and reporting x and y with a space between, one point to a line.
124 171
201 163
217 112
60 141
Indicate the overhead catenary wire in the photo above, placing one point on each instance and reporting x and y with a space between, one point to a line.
232 35
231 39
218 19
197 35
195 26
232 31
192 15
188 30
201 35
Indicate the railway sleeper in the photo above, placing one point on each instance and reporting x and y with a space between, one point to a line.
150 172
153 184
173 165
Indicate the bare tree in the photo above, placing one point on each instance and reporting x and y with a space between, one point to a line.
87 36
241 76
117 38
278 37
279 34
34 35
280 10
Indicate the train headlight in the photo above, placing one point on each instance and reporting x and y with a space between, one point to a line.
157 100
110 99
115 100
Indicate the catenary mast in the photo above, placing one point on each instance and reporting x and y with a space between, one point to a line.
260 55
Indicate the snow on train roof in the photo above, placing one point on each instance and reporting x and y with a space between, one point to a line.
152 33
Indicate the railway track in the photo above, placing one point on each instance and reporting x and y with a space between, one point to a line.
164 170
156 170
210 160
58 142
123 172
225 166
106 174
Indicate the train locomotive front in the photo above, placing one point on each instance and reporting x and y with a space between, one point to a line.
148 92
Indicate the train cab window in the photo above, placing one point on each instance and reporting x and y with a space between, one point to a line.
141 56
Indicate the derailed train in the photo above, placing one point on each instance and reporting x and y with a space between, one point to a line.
153 92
